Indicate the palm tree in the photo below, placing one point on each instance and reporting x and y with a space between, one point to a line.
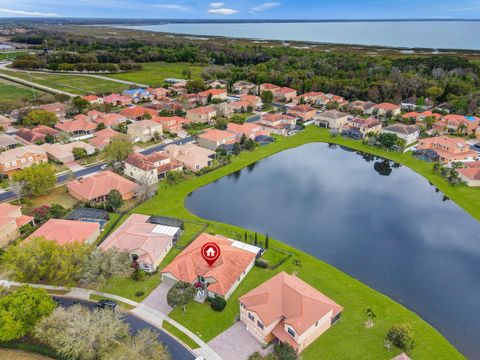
371 316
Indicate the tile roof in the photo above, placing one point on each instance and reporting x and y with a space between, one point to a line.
76 125
66 231
202 110
387 106
402 129
137 111
216 135
472 173
213 92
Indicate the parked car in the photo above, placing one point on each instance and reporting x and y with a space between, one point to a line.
103 167
107 304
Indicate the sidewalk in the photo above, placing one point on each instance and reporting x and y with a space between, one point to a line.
144 312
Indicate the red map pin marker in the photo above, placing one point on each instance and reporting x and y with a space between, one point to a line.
210 253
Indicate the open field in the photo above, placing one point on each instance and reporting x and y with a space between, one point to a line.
349 339
75 84
154 74
12 91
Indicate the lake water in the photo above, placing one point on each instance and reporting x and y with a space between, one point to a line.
380 223
409 34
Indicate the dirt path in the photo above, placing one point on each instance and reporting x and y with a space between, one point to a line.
20 355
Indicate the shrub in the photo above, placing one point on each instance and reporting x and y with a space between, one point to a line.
401 336
284 351
139 275
218 303
261 263
139 293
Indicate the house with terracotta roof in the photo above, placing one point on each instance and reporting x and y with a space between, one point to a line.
93 99
204 114
460 123
180 87
304 112
78 127
215 94
332 119
401 356
37 134
268 87
240 106
359 128
63 153
190 101
222 277
137 113
217 84
279 124
59 109
360 106
11 220
20 158
96 188
147 169
144 130
214 138
117 100
65 232
191 156
109 120
254 101
285 94
288 310
146 243
158 93
244 87
103 138
408 133
309 98
385 108
251 131
470 173
448 149
172 124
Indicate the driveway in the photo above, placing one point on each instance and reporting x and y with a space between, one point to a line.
158 299
236 343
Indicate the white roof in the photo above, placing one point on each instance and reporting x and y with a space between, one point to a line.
246 247
165 230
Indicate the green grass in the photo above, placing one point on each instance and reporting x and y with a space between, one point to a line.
127 287
12 91
348 339
94 297
154 74
75 84
180 335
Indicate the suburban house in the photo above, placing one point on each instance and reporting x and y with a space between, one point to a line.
103 138
448 149
147 169
217 84
326 99
180 88
8 142
360 106
93 99
138 95
214 138
109 120
460 123
214 94
67 231
285 94
409 133
401 356
191 156
222 277
240 106
268 87
20 158
254 101
304 112
332 119
77 127
279 124
288 310
117 100
37 134
190 100
359 128
203 114
385 108
96 188
309 98
144 130
146 242
158 93
63 153
251 131
11 220
136 113
244 87
470 173
59 109
172 124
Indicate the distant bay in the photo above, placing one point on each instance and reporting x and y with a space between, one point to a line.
404 34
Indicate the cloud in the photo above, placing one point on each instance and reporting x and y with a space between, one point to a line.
222 11
217 5
173 7
264 6
27 13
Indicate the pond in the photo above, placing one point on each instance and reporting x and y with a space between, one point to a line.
372 218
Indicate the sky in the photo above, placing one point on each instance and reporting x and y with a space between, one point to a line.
243 9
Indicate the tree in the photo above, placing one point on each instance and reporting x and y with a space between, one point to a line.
102 265
267 97
40 117
39 178
256 239
18 187
100 126
79 153
267 242
143 346
401 336
195 86
388 140
80 104
49 139
40 260
218 303
114 200
119 148
284 351
21 309
221 123
297 265
181 294
187 73
81 334
371 316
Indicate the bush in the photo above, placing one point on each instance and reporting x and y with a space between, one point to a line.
401 336
139 293
218 303
139 275
261 263
284 351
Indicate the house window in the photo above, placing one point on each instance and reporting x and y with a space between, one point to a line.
260 324
251 317
14 163
291 332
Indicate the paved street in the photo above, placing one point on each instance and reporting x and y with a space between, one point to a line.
176 349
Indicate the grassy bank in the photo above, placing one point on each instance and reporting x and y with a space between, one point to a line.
349 339
12 91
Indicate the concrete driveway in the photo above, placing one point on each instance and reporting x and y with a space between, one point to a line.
236 343
158 299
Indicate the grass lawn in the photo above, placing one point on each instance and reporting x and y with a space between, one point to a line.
154 74
127 287
58 195
180 335
75 84
348 339
12 91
